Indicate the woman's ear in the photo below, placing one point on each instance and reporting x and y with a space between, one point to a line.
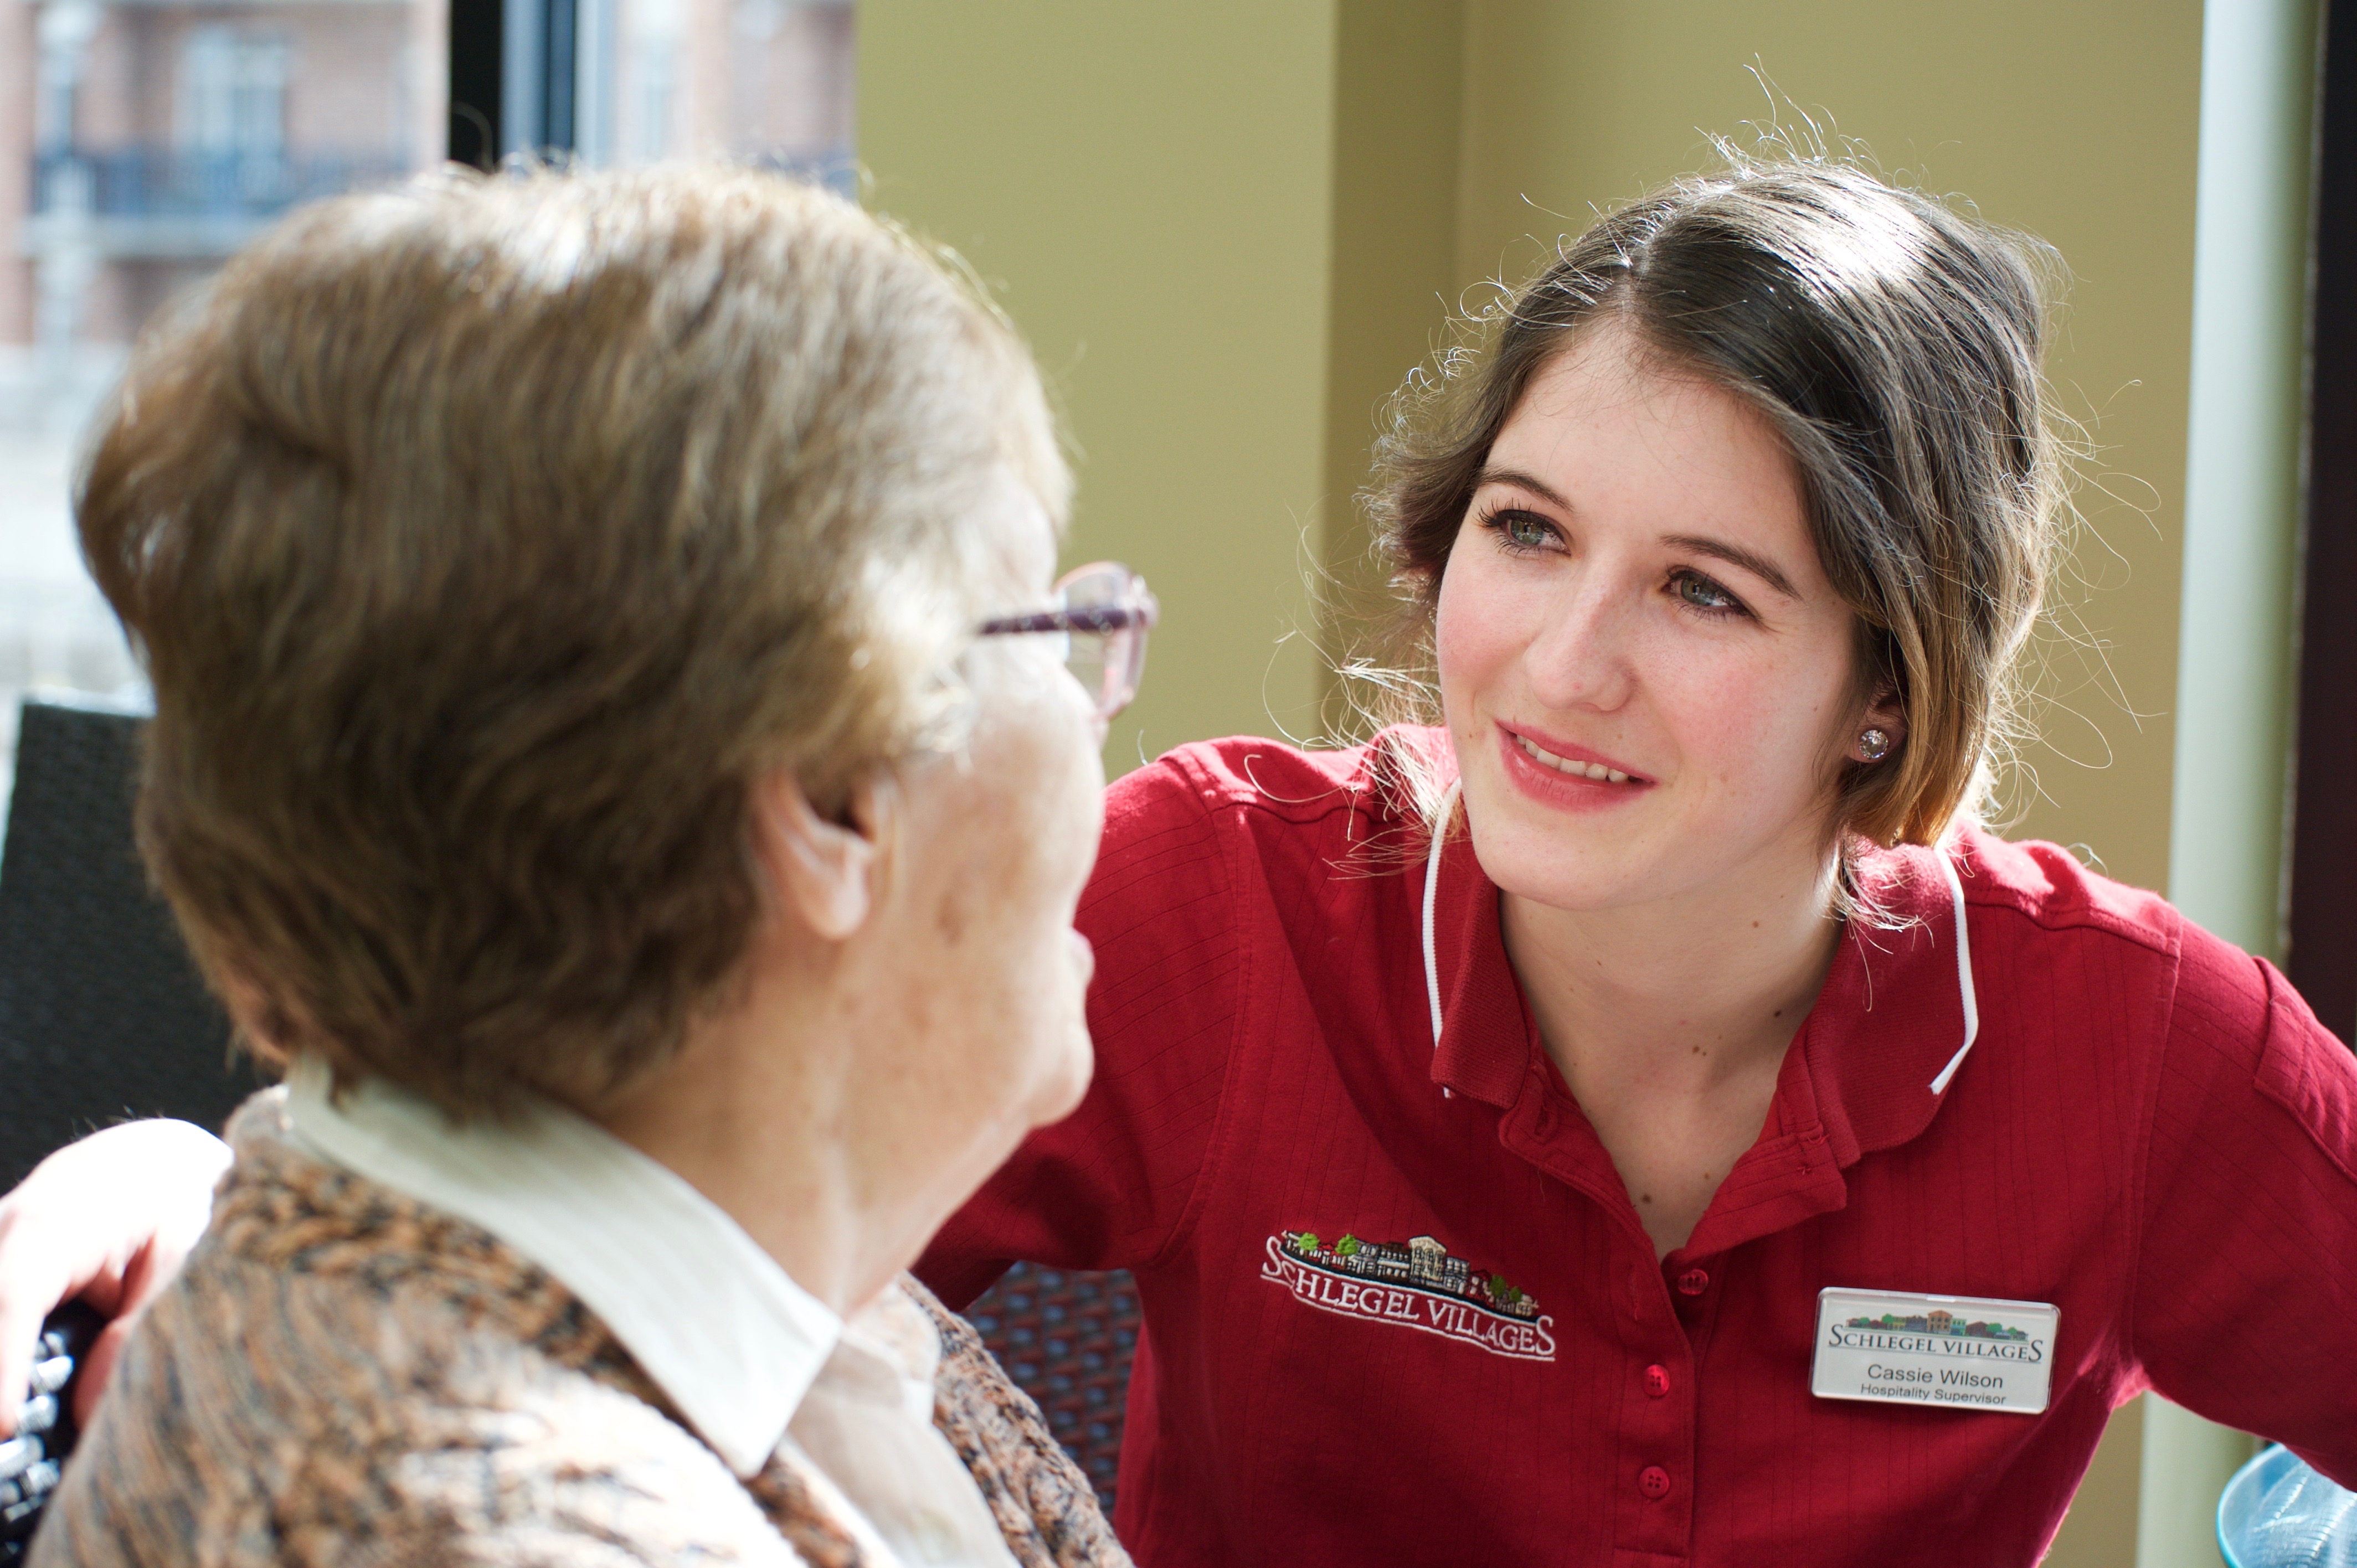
824 872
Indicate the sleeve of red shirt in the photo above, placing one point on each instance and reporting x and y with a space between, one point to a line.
2246 1291
1110 1186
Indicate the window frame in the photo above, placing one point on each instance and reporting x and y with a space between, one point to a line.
515 75
2321 893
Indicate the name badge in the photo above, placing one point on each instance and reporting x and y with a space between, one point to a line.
1959 1352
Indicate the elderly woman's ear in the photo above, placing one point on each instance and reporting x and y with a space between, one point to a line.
824 872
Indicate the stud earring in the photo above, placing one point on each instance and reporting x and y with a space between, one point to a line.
1874 746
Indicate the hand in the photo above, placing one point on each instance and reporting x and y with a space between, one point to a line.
110 1220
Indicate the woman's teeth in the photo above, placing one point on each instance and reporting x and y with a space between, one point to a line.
1565 764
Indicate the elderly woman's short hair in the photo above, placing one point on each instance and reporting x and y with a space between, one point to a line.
484 539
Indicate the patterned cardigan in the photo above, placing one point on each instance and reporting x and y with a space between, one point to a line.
343 1375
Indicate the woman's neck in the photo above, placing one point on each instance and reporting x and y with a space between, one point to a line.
761 1112
1637 980
1669 1022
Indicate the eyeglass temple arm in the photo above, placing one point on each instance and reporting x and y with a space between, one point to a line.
1094 618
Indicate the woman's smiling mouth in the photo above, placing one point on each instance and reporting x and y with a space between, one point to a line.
1565 764
1566 775
1576 768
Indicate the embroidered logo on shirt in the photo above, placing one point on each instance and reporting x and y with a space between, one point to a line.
1415 1284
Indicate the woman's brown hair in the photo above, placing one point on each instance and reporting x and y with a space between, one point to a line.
483 540
1894 345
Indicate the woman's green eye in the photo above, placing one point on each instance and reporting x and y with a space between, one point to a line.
1526 530
1705 595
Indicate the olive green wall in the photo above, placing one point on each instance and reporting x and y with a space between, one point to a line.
1398 115
1147 188
1228 227
1228 230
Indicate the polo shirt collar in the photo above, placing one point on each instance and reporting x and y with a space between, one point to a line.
1896 1016
724 1332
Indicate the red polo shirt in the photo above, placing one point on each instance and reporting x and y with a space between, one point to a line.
2150 1133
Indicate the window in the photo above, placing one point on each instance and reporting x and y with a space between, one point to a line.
2322 902
766 81
143 140
233 94
140 143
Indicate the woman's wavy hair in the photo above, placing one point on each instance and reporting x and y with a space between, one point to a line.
486 539
1893 344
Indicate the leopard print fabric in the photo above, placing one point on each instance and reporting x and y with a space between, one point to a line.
1043 1502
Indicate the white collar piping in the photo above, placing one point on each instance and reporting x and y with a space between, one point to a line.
1947 868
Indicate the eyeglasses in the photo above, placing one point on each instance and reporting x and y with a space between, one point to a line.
1102 612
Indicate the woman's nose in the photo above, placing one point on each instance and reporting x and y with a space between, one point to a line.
1579 656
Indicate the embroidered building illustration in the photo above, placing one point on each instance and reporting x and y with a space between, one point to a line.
1420 1262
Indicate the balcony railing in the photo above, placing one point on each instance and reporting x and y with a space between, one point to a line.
180 201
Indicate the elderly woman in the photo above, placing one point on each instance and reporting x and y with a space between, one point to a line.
575 760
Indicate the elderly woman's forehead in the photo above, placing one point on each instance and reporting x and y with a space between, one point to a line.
1023 536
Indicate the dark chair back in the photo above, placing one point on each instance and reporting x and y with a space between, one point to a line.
1067 1338
102 1018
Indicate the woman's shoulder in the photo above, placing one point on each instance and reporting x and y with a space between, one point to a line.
2068 914
1278 783
1193 836
2053 889
337 1359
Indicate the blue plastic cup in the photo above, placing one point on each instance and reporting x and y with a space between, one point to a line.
2279 1513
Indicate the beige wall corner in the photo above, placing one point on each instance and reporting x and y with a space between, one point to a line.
1149 191
1395 276
2185 1463
2100 1531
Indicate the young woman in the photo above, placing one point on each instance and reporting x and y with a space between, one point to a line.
1485 1202
1643 1119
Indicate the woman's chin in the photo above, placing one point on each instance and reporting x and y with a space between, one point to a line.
1566 862
1067 1084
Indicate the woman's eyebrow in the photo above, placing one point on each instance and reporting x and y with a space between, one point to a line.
1521 482
1758 566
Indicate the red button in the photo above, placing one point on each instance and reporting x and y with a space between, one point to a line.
1657 1380
1655 1482
1694 1282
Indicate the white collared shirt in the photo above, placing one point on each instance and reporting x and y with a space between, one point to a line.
751 1359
